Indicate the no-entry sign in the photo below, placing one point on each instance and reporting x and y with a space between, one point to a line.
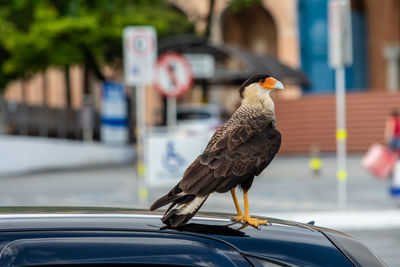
173 75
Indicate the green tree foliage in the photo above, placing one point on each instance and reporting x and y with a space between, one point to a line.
36 34
237 5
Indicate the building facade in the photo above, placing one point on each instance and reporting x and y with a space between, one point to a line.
375 28
296 32
293 31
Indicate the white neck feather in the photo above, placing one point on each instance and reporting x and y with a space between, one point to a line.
256 96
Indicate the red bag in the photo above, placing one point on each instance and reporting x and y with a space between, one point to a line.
379 161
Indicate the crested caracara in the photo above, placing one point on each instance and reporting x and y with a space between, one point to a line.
237 152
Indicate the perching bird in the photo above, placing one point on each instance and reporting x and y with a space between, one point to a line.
237 152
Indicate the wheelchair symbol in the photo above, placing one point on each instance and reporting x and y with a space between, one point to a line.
172 161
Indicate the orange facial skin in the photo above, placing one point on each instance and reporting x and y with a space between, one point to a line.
268 83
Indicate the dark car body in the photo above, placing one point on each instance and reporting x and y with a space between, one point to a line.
99 237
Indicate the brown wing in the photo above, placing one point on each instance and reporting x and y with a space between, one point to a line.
235 152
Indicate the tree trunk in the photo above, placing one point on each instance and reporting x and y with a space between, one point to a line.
91 67
86 80
22 121
67 87
44 123
209 18
204 83
87 107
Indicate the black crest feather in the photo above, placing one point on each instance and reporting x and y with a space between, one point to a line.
253 79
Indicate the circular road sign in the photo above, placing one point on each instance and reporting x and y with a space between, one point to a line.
173 75
140 43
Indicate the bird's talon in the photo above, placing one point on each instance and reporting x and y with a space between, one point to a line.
251 221
239 218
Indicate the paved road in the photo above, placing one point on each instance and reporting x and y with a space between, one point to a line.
287 186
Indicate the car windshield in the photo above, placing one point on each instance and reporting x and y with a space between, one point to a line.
115 104
193 115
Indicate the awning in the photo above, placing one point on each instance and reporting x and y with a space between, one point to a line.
223 75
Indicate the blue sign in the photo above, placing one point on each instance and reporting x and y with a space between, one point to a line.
114 113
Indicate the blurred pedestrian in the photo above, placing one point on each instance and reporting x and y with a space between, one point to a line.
392 131
392 138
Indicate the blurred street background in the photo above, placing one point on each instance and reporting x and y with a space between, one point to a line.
105 103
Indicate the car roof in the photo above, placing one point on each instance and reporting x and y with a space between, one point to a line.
285 240
105 217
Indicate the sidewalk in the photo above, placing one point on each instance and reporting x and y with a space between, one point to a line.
27 154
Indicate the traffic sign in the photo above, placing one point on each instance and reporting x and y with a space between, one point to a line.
140 53
203 65
168 154
340 55
114 114
173 75
340 39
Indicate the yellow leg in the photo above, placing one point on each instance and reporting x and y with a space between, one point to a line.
246 217
235 200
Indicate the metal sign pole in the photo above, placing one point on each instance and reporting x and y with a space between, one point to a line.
340 55
140 99
171 113
341 136
139 55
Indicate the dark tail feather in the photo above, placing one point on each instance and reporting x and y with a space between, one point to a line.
174 194
185 210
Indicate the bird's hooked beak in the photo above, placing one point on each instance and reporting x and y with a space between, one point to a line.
271 83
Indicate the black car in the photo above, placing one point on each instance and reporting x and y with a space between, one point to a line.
109 237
